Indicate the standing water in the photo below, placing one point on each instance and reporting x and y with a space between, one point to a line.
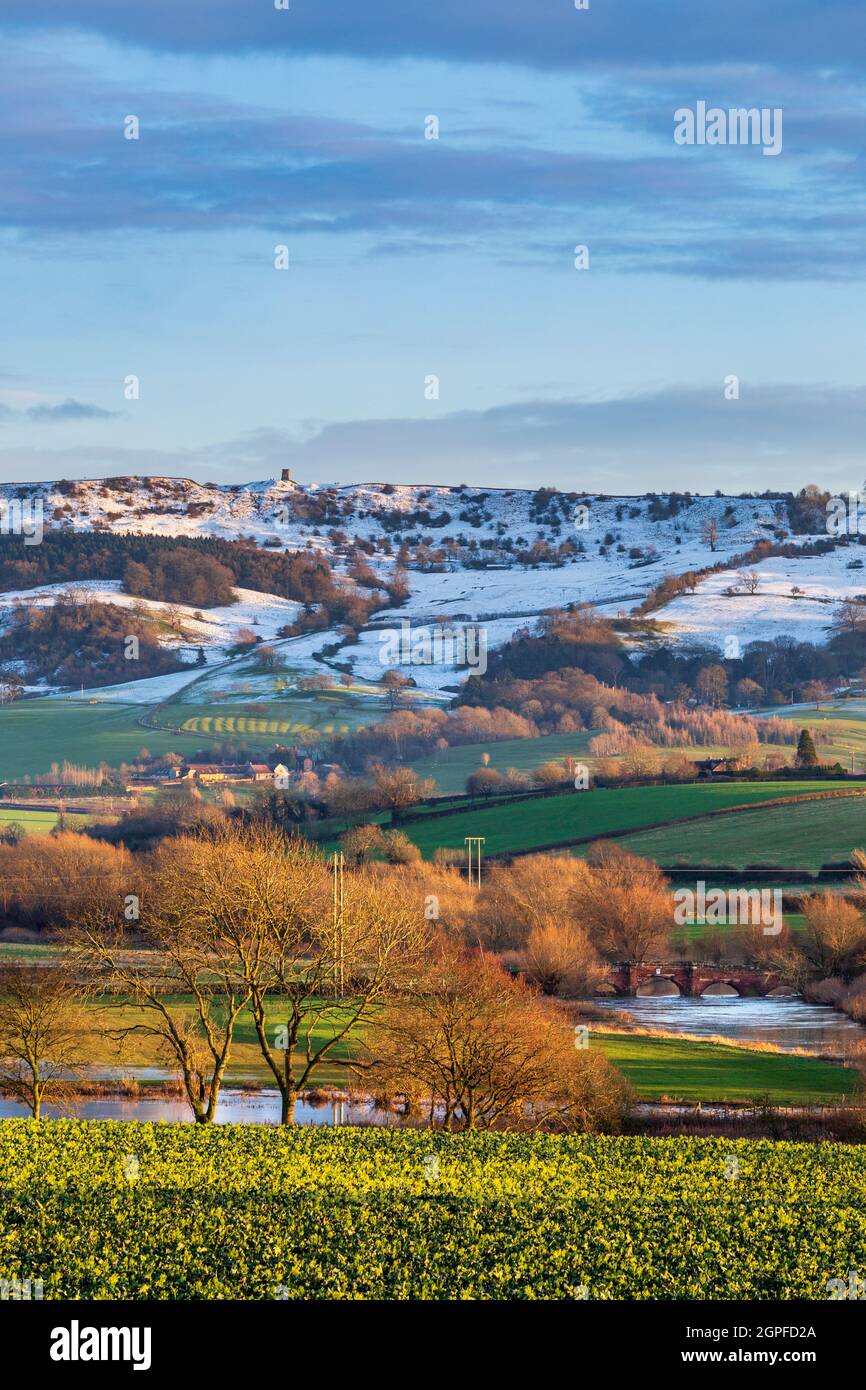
786 1022
234 1107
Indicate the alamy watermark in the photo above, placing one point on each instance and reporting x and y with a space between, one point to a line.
731 907
22 518
852 1287
737 126
847 518
464 647
20 1290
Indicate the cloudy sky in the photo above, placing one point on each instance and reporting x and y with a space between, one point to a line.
412 258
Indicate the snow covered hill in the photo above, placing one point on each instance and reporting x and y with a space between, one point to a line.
497 557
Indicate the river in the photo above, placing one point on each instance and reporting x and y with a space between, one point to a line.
786 1022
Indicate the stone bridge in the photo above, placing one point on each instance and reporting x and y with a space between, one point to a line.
692 978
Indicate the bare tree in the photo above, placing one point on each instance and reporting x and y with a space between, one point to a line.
484 782
42 1031
481 1050
712 684
834 938
400 787
535 892
850 615
187 955
561 960
750 581
395 684
316 972
362 841
625 904
710 532
399 849
247 918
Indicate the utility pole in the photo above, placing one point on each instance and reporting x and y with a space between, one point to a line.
338 865
474 842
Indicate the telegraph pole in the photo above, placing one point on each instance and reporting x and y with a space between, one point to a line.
474 842
338 865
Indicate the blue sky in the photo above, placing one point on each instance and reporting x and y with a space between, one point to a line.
411 257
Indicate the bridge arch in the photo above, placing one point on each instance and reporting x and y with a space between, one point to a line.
720 989
657 987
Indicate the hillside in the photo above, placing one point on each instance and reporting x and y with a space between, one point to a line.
495 557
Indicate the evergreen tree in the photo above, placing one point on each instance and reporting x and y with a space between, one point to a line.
806 754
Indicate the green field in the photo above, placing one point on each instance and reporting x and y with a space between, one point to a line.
844 721
36 733
808 835
246 1058
34 822
574 815
655 1066
451 768
249 1212
680 1069
291 716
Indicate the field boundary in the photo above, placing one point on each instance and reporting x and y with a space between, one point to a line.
507 855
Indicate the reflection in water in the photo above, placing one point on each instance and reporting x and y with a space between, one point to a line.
784 1022
234 1107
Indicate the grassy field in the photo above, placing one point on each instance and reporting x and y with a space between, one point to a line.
680 1069
36 733
656 1066
574 815
35 822
695 931
808 834
291 716
24 951
246 1057
102 1210
844 722
451 768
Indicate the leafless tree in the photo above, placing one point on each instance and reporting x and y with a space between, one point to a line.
395 684
561 960
184 955
712 684
710 532
400 787
834 936
42 1031
850 615
625 904
478 1049
750 581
